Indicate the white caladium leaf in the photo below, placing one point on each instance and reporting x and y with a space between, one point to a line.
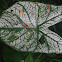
24 27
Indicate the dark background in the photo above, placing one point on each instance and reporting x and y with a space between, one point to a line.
7 54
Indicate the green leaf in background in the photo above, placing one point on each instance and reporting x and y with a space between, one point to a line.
29 58
41 40
10 55
57 60
38 58
57 28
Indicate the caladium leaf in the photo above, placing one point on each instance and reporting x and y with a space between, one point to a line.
35 18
